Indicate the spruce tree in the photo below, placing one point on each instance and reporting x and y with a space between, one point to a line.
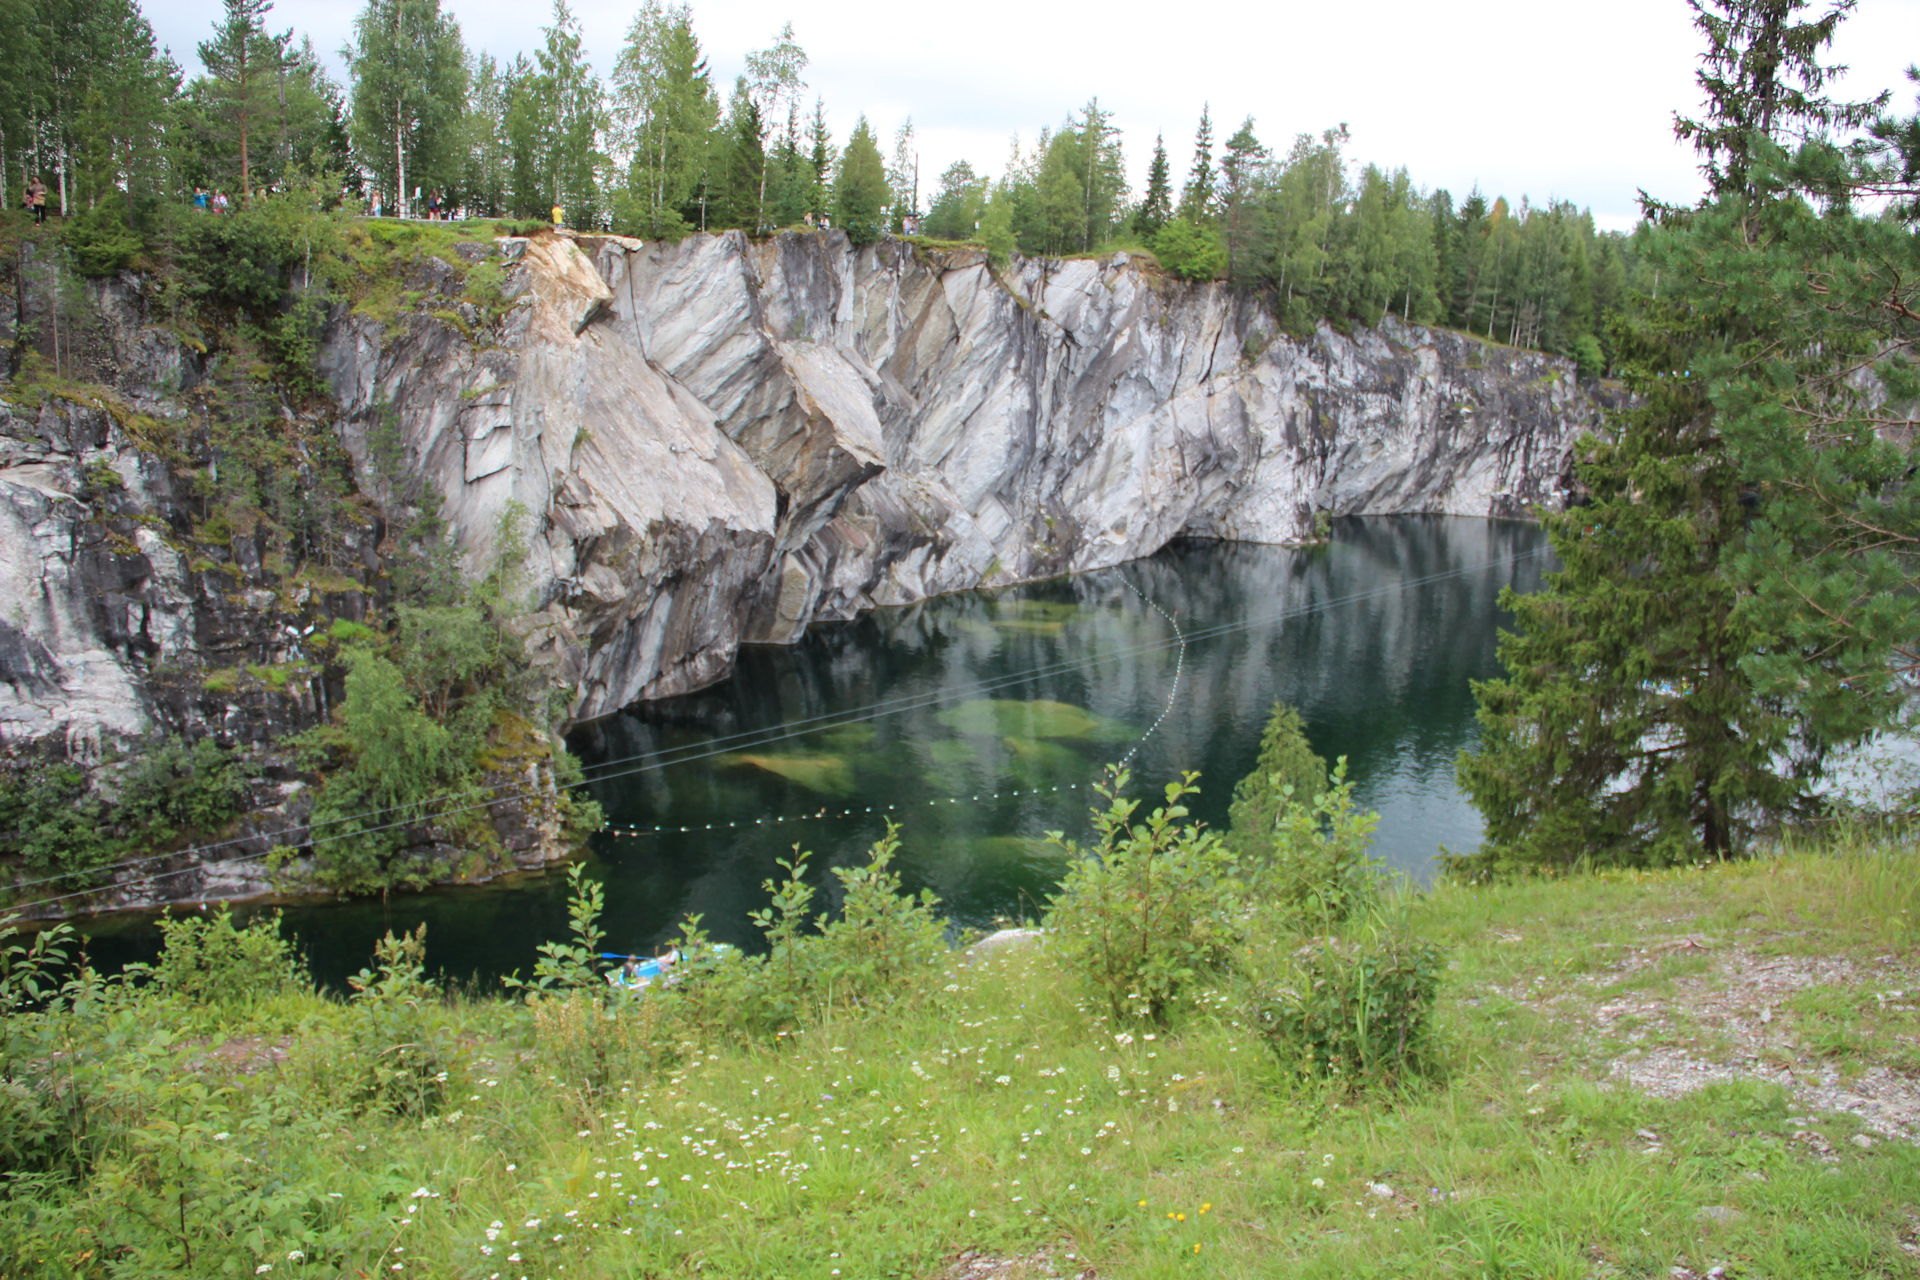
860 194
1288 772
1196 198
1156 207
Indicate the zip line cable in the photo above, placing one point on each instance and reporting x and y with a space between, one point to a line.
772 734
792 729
1173 693
664 757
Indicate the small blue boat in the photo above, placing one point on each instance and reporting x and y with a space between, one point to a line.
635 974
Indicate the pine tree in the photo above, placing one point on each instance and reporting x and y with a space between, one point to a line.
1196 198
243 65
1239 169
1156 207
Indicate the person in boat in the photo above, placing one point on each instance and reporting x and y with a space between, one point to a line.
630 971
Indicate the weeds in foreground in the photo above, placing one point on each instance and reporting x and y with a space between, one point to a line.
1001 1109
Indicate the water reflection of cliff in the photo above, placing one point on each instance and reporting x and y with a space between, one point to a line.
1375 637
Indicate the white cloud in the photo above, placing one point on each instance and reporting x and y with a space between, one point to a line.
1538 98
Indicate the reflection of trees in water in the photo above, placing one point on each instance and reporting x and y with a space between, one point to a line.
1378 662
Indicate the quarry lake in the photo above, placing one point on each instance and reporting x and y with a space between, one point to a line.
978 721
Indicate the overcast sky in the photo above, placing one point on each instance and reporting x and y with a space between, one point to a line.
1536 97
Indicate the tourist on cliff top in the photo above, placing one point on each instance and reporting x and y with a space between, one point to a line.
37 200
559 217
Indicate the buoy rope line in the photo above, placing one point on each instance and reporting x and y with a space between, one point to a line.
1179 668
1173 692
730 743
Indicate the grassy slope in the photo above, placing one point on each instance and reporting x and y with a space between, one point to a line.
1004 1116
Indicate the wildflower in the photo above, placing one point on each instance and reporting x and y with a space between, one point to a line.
263 1268
295 1256
1319 1182
222 1137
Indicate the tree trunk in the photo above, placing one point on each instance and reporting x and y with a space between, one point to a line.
399 162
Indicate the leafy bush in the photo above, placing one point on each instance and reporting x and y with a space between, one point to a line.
55 820
205 960
50 819
101 241
565 966
1149 908
1318 868
879 951
884 940
1190 252
401 1054
172 789
1356 1010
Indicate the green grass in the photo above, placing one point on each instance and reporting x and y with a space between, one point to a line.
1002 1112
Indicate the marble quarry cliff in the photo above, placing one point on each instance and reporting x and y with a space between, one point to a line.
717 442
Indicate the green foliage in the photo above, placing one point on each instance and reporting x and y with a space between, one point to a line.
101 242
877 953
860 193
56 818
205 960
1149 909
400 761
51 820
1287 772
1190 252
1317 870
1358 1009
402 1057
566 966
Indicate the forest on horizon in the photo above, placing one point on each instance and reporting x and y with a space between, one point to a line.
108 121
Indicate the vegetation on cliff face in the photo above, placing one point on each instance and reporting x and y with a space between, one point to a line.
324 590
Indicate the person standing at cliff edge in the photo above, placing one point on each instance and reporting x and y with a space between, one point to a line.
559 217
37 200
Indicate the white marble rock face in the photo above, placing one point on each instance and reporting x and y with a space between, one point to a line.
717 442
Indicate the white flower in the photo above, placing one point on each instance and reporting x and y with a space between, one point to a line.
222 1137
421 1193
296 1256
1003 1079
263 1268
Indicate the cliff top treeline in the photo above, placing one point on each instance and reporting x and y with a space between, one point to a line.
91 108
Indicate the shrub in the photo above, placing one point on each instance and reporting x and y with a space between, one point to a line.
879 951
594 1042
568 966
400 1054
1149 907
1318 868
205 960
1355 1010
1190 252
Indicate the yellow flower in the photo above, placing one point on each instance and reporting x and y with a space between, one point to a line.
1205 1207
1179 1217
1196 1248
1143 1204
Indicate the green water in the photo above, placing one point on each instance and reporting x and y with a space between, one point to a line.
977 721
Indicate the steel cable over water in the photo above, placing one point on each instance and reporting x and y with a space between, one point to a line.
779 733
1173 692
